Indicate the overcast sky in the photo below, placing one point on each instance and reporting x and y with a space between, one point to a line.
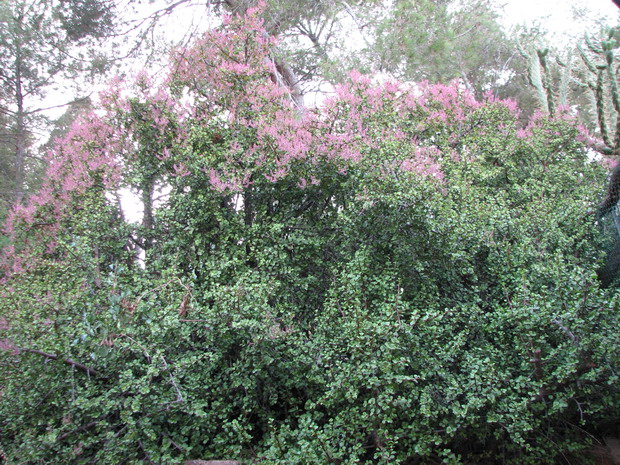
558 16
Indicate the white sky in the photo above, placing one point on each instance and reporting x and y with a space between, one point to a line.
557 15
561 17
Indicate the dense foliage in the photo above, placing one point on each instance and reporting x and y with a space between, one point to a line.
405 275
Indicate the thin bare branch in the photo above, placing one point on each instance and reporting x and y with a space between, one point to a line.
67 361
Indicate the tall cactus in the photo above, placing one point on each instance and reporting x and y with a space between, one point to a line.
601 70
598 73
549 80
546 80
600 60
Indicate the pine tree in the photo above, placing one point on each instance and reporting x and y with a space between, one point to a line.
42 44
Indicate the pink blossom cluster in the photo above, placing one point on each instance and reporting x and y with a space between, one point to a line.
226 87
84 158
221 64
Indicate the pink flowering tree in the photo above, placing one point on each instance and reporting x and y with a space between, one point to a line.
403 274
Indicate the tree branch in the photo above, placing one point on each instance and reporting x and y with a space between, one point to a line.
67 361
77 100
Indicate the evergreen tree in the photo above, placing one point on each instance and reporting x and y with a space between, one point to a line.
440 41
43 46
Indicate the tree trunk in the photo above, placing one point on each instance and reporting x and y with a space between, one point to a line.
20 154
20 126
285 75
291 82
148 191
